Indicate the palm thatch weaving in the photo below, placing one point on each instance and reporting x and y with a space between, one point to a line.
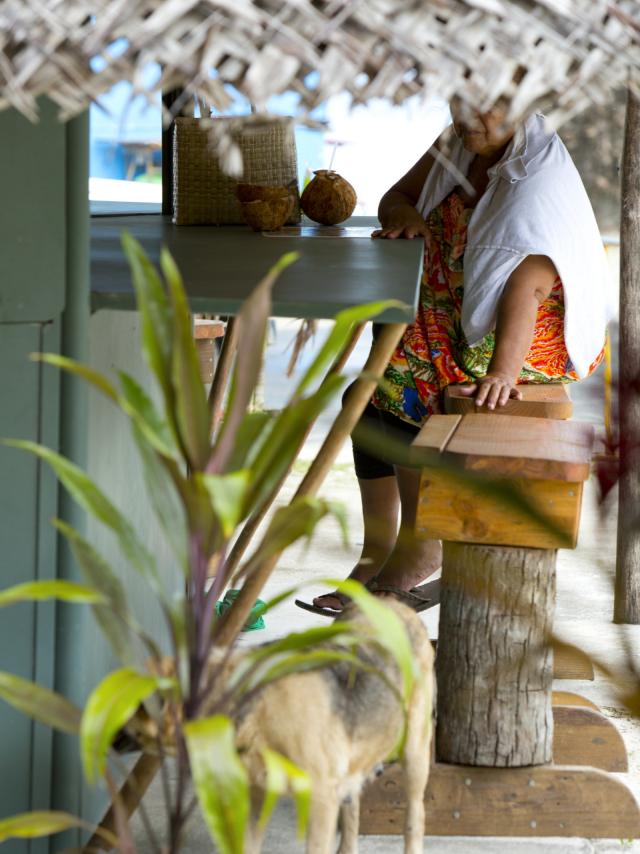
565 54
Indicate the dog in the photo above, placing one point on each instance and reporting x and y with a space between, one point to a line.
340 724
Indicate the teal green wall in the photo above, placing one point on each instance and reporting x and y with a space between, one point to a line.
44 305
44 300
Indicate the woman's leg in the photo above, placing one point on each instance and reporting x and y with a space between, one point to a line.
380 505
411 559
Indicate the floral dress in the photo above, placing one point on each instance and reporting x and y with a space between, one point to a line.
434 353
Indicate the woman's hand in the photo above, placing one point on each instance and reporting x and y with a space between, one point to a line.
494 389
402 221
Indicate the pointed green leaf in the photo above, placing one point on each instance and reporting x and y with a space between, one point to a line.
66 591
310 638
300 662
280 443
153 305
288 525
248 437
220 780
95 378
139 406
252 325
282 777
30 825
192 411
113 617
109 707
271 660
87 494
228 493
160 481
343 328
40 703
388 629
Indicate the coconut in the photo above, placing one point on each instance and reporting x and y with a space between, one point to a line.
328 198
268 214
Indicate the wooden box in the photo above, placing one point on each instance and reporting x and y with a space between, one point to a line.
503 480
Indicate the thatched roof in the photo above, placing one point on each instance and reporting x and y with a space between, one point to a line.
574 52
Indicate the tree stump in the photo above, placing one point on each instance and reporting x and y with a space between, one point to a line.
494 666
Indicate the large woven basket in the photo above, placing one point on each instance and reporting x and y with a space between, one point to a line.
203 194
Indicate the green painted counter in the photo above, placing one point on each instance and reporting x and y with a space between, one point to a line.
221 265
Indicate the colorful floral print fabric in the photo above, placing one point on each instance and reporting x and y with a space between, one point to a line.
433 352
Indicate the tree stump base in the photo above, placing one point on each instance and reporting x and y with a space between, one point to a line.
494 667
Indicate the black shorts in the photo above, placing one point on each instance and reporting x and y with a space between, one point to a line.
368 466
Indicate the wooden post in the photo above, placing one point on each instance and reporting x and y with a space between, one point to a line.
627 591
494 667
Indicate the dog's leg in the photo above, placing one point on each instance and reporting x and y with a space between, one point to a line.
349 825
416 763
255 834
323 821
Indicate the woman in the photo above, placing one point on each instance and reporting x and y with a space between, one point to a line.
514 291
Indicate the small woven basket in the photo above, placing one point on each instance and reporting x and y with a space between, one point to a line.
205 195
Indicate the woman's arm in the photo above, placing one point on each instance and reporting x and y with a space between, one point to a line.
397 212
528 286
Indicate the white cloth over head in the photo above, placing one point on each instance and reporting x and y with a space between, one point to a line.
535 204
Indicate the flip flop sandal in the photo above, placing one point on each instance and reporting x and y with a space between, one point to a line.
419 598
318 609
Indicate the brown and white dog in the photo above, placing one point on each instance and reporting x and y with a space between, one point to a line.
340 724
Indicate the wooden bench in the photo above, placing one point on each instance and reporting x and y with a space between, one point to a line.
503 491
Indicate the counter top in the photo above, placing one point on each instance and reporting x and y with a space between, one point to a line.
221 265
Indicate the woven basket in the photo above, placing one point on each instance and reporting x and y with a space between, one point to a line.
203 194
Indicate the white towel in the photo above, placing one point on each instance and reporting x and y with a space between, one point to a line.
535 204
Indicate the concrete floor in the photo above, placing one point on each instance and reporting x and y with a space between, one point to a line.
584 610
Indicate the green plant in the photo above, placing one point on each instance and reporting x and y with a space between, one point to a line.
203 491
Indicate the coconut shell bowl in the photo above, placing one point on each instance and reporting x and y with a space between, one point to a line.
265 208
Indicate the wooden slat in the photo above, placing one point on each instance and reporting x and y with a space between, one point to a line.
437 432
207 328
571 663
524 447
583 736
569 698
564 667
546 800
462 512
541 400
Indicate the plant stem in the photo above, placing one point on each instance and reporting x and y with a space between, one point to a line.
144 815
211 598
221 376
164 777
177 817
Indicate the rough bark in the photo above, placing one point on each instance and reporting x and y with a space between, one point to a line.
494 667
627 594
